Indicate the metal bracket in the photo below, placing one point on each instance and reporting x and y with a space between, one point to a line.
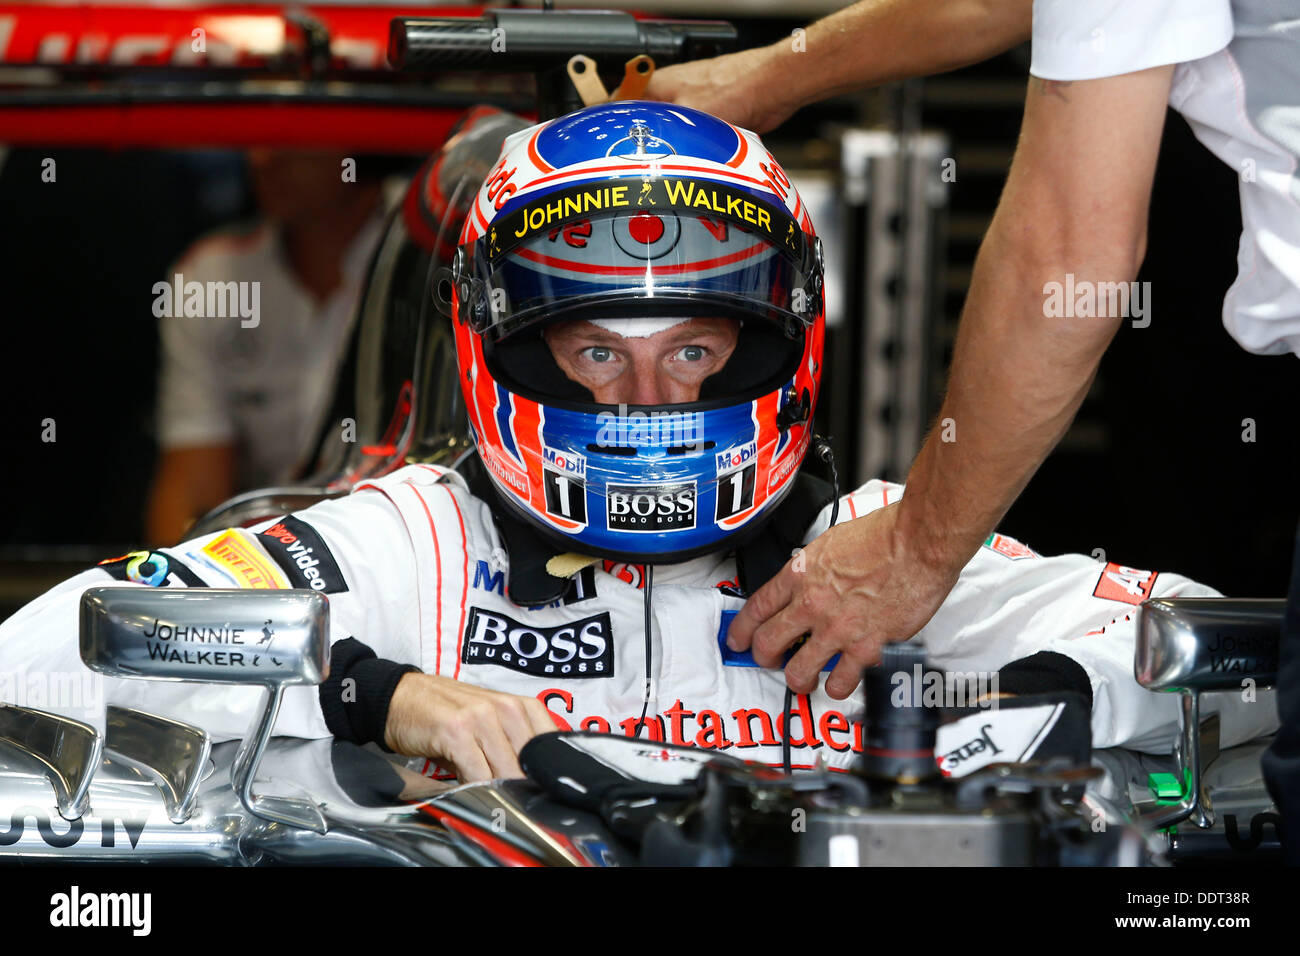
582 72
636 77
169 753
586 80
1192 645
1196 749
290 810
69 750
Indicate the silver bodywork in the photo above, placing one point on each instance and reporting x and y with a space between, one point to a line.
153 790
375 813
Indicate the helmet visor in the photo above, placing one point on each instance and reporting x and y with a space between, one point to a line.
668 246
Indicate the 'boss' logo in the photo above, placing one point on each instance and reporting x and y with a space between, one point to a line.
583 648
650 507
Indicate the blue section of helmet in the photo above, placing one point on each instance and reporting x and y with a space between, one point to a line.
674 452
635 130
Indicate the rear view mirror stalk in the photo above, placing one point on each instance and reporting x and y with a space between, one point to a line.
211 635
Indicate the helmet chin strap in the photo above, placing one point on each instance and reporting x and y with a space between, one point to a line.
636 328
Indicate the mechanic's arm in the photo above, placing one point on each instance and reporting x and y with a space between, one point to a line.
477 731
188 482
866 44
1075 202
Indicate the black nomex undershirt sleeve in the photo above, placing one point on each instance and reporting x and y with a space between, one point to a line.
1044 673
358 711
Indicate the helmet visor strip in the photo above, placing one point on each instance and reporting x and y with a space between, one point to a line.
595 249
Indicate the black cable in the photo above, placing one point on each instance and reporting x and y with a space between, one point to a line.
785 737
649 588
826 454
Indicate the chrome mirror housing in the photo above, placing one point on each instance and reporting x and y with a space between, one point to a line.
273 639
1200 644
1189 646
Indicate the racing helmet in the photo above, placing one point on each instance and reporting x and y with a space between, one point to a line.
635 216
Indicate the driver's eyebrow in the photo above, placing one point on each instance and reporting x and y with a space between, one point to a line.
592 333
576 335
686 333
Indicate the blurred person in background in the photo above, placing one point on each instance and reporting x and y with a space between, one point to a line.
241 395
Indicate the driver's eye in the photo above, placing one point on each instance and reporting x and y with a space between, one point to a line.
598 354
691 353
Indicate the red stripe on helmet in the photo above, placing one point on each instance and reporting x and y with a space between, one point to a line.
742 148
535 156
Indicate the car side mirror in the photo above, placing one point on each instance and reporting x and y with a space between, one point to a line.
274 639
1190 646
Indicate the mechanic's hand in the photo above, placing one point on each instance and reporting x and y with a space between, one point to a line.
479 732
742 88
860 588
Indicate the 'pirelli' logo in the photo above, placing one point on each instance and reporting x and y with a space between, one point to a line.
243 561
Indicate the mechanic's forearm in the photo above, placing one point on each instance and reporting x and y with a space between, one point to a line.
1071 224
880 41
1018 377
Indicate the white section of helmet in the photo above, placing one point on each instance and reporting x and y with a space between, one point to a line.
636 328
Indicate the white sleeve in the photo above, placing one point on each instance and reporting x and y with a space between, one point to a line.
1089 39
40 663
1010 604
369 540
193 401
41 666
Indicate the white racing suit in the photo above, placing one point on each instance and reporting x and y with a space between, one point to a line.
415 569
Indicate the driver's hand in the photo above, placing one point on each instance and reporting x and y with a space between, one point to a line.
478 732
856 588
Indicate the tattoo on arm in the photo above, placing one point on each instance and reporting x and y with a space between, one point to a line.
1050 87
